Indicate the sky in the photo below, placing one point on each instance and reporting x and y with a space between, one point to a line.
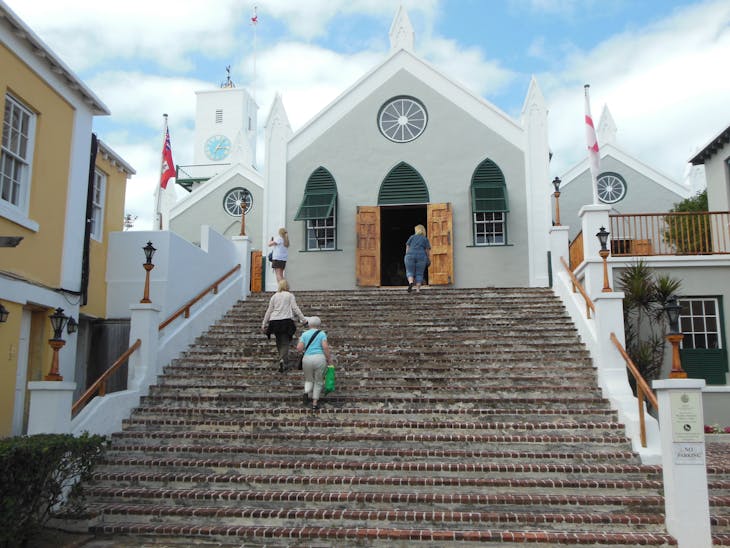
659 65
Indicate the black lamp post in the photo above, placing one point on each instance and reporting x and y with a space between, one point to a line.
58 322
602 236
149 252
556 184
674 337
72 326
4 313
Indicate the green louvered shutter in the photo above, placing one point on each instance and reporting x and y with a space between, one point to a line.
403 185
488 189
319 196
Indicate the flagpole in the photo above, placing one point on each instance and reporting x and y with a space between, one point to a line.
158 213
255 22
592 145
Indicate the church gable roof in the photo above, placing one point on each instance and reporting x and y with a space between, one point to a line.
403 60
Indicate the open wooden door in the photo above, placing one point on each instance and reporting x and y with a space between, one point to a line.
440 224
367 257
256 272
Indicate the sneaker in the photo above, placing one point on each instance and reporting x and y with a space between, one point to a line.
410 288
305 399
281 366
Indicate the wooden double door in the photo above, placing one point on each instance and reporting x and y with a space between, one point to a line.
373 253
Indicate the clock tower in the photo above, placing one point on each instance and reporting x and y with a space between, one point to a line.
225 128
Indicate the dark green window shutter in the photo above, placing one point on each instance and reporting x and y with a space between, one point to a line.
488 189
702 363
319 196
403 185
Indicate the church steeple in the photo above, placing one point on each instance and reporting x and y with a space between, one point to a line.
401 32
606 128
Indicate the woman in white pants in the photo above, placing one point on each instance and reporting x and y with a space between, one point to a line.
313 343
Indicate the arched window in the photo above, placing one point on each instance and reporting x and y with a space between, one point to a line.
319 211
403 185
489 204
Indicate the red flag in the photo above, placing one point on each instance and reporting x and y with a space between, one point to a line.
592 143
168 166
254 17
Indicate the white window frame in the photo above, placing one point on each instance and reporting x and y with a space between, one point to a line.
16 209
98 199
326 229
693 321
484 237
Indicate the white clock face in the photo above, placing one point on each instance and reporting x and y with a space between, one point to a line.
402 119
217 147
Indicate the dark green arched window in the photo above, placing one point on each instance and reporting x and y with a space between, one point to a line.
318 209
489 204
403 185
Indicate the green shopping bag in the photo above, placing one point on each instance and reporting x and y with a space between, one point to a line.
329 379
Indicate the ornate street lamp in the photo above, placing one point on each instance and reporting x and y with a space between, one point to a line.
149 252
674 337
4 313
604 252
72 326
58 322
556 184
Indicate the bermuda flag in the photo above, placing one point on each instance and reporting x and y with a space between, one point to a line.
592 143
168 166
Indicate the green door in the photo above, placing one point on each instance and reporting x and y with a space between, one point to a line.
703 352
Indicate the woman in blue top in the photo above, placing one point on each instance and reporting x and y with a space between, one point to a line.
417 257
314 362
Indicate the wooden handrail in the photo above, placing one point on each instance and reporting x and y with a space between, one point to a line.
100 384
576 283
642 388
185 309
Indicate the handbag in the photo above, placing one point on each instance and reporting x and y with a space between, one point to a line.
329 379
271 256
299 365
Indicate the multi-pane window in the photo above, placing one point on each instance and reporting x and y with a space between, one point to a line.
97 205
17 149
321 233
700 323
489 205
489 228
318 210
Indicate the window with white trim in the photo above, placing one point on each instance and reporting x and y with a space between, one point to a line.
321 233
489 228
489 205
97 205
318 210
17 155
700 323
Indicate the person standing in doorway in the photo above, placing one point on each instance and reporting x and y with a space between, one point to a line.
418 257
279 320
280 253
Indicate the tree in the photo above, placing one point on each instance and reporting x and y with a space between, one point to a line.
689 233
645 295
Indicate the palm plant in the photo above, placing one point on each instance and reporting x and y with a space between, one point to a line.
645 295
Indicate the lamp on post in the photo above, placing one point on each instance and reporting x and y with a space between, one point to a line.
243 220
149 252
604 252
4 313
556 184
58 322
674 337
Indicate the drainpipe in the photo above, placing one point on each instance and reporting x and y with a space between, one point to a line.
87 224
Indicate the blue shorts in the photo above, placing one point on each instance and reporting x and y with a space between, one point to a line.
415 266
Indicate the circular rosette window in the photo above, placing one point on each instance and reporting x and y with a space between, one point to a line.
402 119
237 200
611 188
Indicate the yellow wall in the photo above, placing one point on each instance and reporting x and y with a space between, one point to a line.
116 185
38 257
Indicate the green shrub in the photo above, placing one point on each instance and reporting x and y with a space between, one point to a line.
36 474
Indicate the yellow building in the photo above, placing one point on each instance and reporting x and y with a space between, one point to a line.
55 216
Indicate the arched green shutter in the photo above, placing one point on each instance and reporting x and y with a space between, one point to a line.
488 189
319 196
403 185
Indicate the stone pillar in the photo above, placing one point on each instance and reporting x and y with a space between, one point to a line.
243 248
144 325
50 407
559 247
686 499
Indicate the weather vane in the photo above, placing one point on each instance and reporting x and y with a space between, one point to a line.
228 83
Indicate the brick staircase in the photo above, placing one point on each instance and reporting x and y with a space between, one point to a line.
460 416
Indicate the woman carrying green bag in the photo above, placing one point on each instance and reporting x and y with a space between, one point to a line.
313 343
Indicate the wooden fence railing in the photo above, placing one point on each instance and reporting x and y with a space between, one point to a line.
590 307
575 251
99 386
681 233
642 388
